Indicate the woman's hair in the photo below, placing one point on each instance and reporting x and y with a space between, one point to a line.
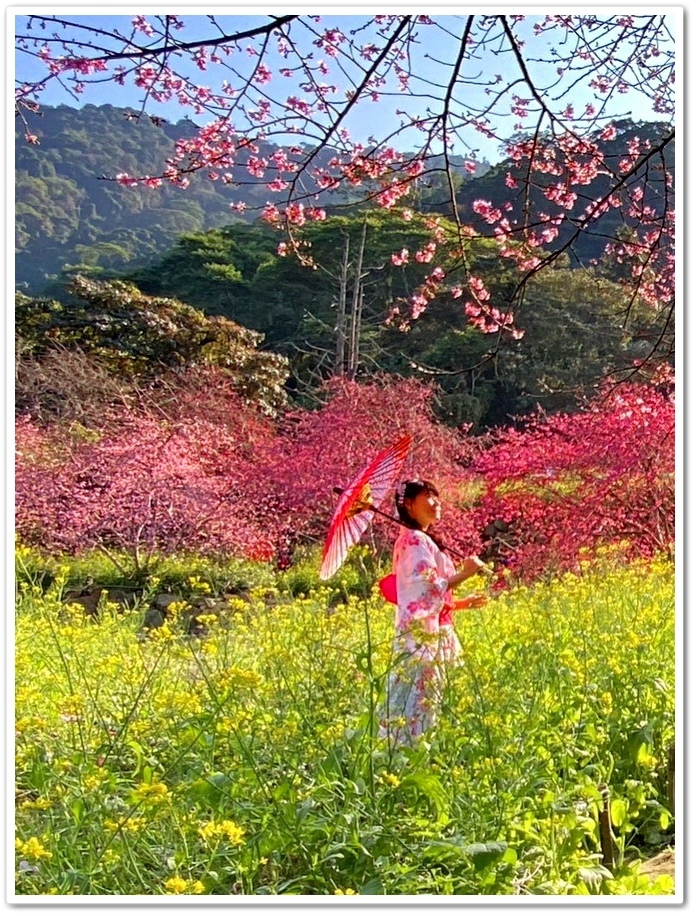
409 489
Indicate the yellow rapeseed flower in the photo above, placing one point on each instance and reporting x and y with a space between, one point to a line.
237 605
199 585
35 804
129 825
162 634
239 677
348 892
391 779
151 793
177 885
32 848
606 702
111 857
73 705
94 780
215 830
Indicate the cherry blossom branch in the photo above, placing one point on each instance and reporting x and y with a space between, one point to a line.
333 128
596 207
164 50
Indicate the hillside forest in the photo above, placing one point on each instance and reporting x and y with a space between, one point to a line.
348 313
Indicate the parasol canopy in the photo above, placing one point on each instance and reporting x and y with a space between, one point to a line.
358 503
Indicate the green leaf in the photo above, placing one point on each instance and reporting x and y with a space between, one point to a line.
303 809
485 854
442 850
373 886
363 662
619 812
210 790
332 765
78 809
640 742
510 857
594 876
429 786
138 751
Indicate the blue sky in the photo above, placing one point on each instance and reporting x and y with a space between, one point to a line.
367 117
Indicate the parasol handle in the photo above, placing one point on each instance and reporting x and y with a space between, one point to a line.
339 490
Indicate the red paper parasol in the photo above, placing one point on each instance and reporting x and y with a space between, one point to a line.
358 503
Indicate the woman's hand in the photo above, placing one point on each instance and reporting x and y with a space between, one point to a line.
474 564
471 601
470 567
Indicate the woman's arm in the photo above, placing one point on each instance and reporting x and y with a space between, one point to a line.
470 601
470 567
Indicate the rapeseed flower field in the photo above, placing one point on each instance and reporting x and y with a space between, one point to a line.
246 760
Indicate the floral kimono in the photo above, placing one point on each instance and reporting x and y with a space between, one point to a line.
425 641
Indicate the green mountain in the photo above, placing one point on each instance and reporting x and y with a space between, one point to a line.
187 245
70 211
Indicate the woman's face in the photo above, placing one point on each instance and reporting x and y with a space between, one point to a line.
424 508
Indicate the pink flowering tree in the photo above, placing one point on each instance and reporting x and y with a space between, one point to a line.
280 96
564 485
325 448
205 472
171 478
197 469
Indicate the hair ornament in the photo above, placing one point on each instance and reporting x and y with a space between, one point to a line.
401 489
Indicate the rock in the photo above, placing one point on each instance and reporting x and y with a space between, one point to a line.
154 617
206 604
89 600
661 864
90 595
164 599
126 599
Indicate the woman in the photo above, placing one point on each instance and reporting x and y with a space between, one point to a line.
425 641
